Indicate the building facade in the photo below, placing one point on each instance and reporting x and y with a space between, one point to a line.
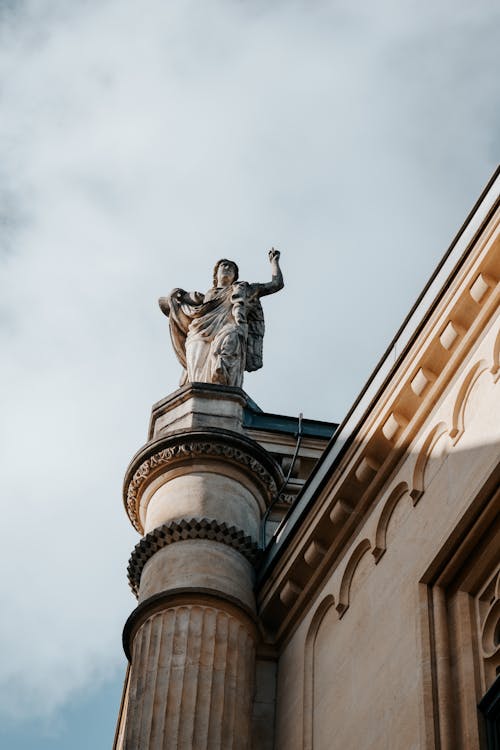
366 608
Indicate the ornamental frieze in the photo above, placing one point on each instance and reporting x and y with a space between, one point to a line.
188 449
178 531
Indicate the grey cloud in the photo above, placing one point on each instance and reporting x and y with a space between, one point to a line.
140 142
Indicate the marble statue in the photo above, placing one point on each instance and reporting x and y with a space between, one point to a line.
218 335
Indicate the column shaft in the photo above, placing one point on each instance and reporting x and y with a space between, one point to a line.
191 681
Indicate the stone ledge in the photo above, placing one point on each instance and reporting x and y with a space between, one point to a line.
178 531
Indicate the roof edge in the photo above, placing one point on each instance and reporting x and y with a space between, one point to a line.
427 301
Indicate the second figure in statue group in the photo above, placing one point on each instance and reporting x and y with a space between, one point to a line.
218 335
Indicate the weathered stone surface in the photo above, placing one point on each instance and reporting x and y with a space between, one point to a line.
218 335
191 681
199 405
201 565
193 472
199 494
391 639
195 528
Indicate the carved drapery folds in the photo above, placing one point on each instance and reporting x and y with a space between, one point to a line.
218 335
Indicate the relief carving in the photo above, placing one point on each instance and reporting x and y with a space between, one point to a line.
194 528
385 516
418 482
345 585
489 619
495 369
192 449
458 423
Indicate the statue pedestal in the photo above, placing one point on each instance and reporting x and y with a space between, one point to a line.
199 405
197 492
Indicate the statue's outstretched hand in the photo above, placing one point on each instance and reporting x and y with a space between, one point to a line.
274 254
176 296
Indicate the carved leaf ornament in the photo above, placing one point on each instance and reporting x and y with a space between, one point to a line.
186 450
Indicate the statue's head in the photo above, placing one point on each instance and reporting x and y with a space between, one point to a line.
225 272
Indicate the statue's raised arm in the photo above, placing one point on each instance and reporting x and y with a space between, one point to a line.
276 283
218 335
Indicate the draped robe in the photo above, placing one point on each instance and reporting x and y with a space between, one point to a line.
216 336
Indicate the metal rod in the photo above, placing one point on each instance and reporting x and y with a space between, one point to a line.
289 474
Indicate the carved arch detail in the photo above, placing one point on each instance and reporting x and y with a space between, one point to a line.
418 481
495 369
312 632
490 635
345 584
383 522
458 426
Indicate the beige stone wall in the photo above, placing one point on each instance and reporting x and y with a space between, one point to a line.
397 645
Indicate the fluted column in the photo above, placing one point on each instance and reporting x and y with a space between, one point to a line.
192 679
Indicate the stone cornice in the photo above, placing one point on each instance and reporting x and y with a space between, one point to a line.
178 531
340 493
159 455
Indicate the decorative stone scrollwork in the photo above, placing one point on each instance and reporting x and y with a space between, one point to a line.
178 531
182 449
490 629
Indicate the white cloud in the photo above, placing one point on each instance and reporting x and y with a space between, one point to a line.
142 141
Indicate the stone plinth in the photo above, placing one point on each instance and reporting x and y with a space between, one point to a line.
198 405
197 492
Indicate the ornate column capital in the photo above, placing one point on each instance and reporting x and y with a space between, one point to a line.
177 449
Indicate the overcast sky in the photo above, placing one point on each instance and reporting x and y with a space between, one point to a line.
139 143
